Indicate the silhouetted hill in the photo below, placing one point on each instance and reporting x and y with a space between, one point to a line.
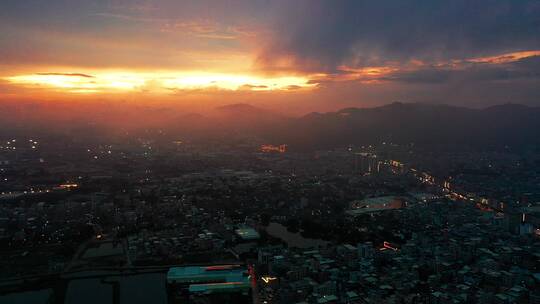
248 119
508 124
241 111
416 123
240 108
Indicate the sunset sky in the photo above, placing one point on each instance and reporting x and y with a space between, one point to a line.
293 56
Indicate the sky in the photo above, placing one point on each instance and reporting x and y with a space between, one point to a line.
292 56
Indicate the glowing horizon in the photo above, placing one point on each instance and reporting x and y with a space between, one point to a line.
155 82
87 81
302 56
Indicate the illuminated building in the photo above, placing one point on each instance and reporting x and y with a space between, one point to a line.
216 284
272 148
390 246
446 185
374 204
365 163
68 186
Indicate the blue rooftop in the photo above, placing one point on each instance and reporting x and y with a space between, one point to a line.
207 274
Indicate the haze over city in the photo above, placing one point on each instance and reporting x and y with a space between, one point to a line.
269 151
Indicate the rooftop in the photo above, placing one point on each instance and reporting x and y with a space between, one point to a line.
207 274
247 233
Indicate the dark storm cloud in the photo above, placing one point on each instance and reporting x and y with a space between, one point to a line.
325 34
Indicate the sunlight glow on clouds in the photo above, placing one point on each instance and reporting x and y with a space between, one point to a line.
167 82
505 58
155 82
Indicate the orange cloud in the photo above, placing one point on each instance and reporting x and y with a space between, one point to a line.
366 75
505 58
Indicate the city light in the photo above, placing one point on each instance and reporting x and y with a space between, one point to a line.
268 279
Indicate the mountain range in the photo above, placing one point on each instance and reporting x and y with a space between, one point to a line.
508 124
403 123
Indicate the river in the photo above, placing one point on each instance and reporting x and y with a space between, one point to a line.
293 239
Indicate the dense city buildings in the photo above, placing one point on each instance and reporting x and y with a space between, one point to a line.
226 222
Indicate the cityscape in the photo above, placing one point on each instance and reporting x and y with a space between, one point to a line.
339 152
352 225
